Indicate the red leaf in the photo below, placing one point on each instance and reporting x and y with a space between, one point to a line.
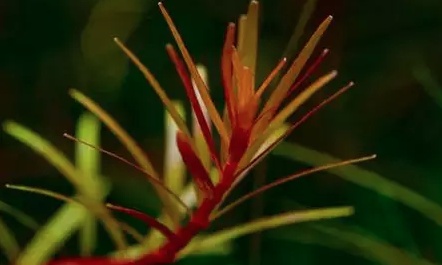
182 72
194 165
309 71
88 261
150 221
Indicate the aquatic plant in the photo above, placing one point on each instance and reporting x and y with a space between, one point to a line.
244 133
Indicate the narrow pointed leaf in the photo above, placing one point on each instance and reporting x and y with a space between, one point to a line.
257 144
132 232
373 248
167 102
248 50
20 216
242 34
148 220
201 144
290 178
301 98
8 243
196 106
127 162
202 88
174 170
133 148
288 79
365 178
355 242
88 162
267 223
256 152
290 108
310 70
51 236
428 82
265 84
195 166
36 251
306 13
46 150
227 72
109 222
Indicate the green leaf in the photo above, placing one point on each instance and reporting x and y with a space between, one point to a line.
265 223
21 217
356 242
365 178
375 248
306 13
8 243
134 149
88 162
428 82
51 236
46 150
100 57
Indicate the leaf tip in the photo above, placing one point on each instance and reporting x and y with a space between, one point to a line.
73 92
350 210
7 125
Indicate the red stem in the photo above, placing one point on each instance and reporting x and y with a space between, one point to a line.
199 221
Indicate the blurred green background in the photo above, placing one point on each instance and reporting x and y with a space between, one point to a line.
390 49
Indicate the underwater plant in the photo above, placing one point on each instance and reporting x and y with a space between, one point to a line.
245 131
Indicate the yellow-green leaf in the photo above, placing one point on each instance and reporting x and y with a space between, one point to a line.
8 242
88 162
40 249
266 223
134 149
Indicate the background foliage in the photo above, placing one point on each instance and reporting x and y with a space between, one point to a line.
391 49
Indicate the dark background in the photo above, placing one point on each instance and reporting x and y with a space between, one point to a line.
47 47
